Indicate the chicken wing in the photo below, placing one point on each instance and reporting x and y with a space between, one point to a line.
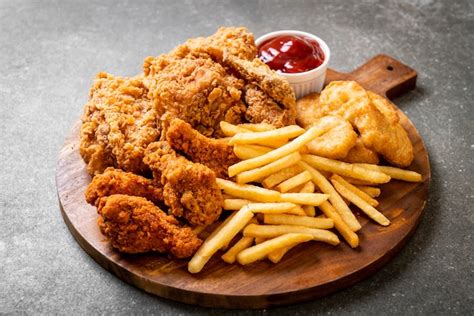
117 125
135 225
189 189
213 153
116 181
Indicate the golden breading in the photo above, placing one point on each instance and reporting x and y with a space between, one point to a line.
216 154
135 225
308 110
385 107
118 124
337 141
116 181
236 41
262 109
198 91
378 132
361 154
258 73
189 189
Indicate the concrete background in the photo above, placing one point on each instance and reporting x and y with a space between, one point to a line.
51 50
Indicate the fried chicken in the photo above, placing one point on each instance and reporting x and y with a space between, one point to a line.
258 73
189 189
262 109
135 225
235 41
116 181
118 123
198 91
216 154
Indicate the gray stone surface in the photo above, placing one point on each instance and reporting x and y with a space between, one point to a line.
50 51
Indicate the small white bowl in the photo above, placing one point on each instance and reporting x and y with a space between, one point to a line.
303 83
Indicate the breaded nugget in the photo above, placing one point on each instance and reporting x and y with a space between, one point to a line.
189 189
361 154
308 110
116 181
216 154
338 139
135 225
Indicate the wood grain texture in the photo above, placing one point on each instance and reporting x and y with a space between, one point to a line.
309 271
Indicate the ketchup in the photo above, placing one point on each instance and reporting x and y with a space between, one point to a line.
291 54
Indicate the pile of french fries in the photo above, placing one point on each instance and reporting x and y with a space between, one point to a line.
283 196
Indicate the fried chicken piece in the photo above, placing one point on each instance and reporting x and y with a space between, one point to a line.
135 225
216 154
378 131
198 91
361 154
236 41
117 125
116 181
336 142
189 189
258 73
262 109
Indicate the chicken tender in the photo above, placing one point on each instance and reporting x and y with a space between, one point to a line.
118 124
189 189
198 91
337 141
258 73
262 109
216 154
135 225
361 154
116 181
378 132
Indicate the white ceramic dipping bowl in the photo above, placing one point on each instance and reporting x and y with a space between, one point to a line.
303 83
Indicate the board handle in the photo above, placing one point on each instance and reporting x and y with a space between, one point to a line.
382 74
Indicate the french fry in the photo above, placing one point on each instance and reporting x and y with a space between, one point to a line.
271 231
345 169
260 251
231 254
264 171
309 210
258 127
346 232
357 181
293 182
394 173
250 151
249 192
276 255
280 176
360 203
279 134
313 199
199 229
259 240
276 208
273 155
235 204
371 191
336 200
364 196
215 242
230 130
306 221
308 186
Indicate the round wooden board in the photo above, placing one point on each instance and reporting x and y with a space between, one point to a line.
309 271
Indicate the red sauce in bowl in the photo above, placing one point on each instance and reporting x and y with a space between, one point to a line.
291 53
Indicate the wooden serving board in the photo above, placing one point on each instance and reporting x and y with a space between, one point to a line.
309 271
